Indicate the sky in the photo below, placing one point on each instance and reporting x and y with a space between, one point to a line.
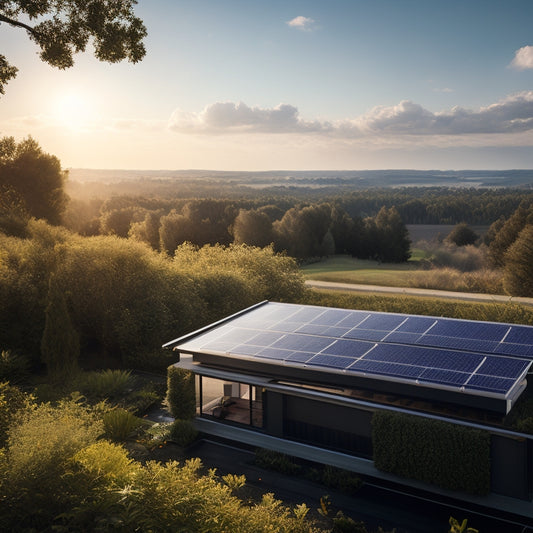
290 85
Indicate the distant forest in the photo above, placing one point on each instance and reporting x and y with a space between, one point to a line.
420 197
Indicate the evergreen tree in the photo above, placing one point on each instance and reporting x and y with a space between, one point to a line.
509 232
518 274
60 346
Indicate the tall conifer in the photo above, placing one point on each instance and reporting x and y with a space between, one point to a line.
60 346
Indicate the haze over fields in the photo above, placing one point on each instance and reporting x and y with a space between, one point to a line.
298 85
319 178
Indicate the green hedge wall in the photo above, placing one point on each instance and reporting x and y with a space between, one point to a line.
452 457
181 396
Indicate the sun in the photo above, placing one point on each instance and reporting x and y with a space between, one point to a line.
74 109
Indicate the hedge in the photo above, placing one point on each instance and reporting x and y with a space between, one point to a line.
181 396
444 454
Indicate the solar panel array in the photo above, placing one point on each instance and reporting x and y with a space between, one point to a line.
476 357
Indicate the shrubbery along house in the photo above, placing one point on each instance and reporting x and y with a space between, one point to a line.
419 400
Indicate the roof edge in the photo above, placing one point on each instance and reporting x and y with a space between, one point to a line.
171 344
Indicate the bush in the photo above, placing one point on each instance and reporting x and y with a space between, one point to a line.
181 395
277 461
37 482
345 524
119 424
106 460
139 401
343 480
109 384
13 367
450 456
12 402
463 258
183 433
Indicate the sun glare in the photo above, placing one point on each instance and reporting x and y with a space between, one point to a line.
74 109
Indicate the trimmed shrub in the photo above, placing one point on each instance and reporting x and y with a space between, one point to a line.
183 433
181 395
450 456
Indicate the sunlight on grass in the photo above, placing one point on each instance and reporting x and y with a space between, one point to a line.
346 269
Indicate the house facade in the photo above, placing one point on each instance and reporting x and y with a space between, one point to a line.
309 381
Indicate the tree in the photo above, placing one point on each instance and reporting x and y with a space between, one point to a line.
62 28
462 235
508 233
33 179
393 237
302 230
518 275
252 227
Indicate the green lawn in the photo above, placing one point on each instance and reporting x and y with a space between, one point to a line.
346 269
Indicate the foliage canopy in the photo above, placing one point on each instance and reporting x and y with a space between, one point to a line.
62 28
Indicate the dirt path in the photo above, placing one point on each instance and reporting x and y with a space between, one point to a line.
378 289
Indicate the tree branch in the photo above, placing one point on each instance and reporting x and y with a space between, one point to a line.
16 23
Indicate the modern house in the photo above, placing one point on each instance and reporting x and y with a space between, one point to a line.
309 380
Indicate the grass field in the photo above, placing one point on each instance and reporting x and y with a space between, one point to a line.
346 269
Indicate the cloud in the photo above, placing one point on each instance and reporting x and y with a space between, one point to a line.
523 58
512 115
302 23
228 117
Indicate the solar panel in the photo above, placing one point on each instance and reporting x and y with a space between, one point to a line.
401 338
382 322
520 350
460 343
469 330
502 366
348 348
389 369
492 384
306 343
444 377
331 317
365 334
331 361
519 335
449 353
416 324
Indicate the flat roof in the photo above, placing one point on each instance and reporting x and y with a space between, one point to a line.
482 364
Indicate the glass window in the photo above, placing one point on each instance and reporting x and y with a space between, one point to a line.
231 401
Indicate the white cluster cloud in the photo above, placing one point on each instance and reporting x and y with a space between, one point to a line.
523 58
513 114
302 23
228 117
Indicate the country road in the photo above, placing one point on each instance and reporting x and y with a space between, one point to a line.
378 289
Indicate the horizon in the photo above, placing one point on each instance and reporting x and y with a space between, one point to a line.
295 85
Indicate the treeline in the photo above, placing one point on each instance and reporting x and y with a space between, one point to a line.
303 231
